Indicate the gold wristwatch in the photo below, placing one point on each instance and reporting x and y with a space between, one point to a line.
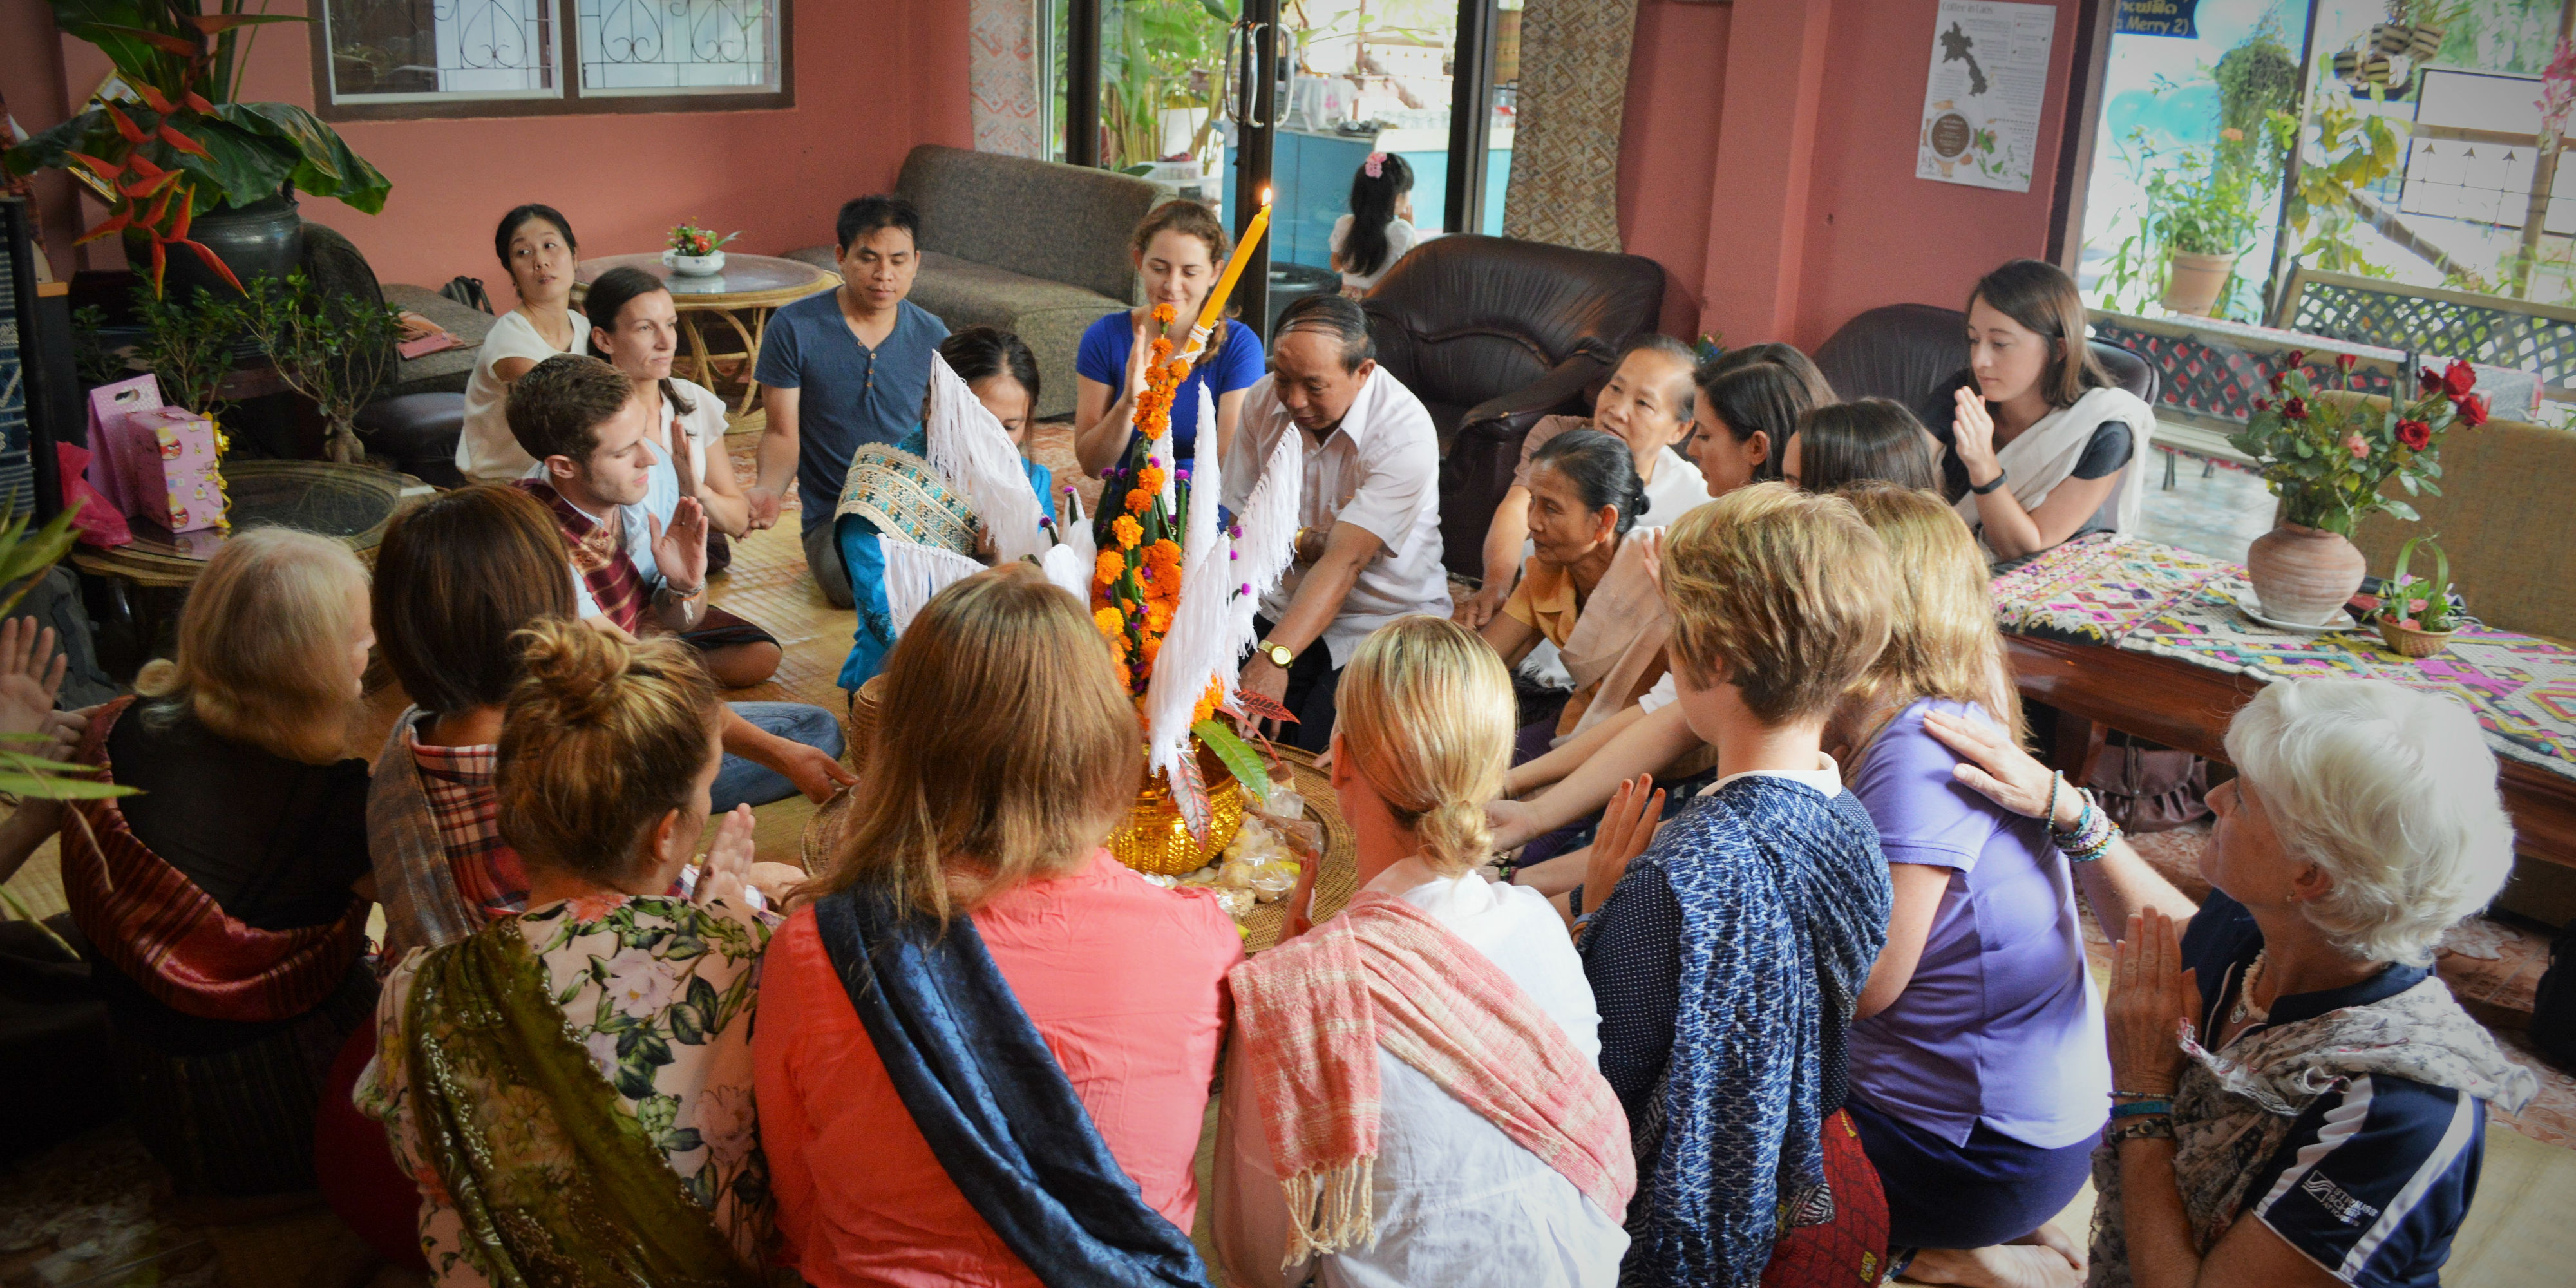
1280 655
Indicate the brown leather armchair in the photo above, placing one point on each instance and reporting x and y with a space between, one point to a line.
1906 351
1491 334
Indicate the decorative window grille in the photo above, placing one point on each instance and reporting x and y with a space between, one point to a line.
503 57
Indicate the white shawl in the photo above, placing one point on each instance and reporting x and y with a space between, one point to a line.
2045 455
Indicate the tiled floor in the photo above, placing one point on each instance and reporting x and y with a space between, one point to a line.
2214 508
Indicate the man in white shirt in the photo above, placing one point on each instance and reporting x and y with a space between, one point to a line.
1368 550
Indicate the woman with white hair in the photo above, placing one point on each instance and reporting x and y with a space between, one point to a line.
2283 1052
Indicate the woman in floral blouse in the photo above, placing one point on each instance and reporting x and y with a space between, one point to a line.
547 1079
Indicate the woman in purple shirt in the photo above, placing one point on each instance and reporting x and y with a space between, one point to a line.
1979 1074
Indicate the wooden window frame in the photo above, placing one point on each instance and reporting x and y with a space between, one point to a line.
570 102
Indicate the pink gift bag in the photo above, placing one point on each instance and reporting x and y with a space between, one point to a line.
109 469
171 459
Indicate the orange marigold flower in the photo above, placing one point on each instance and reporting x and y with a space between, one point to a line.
1153 644
1158 620
1165 553
1206 706
1109 567
1150 478
1138 499
1111 622
1128 532
1163 313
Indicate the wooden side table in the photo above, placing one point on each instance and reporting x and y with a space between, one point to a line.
753 284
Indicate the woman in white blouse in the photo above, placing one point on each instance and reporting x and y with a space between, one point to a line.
536 245
1412 1095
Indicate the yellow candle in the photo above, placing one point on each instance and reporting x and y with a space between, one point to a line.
1215 310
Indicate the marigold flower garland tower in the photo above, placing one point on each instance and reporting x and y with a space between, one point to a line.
1173 590
2326 454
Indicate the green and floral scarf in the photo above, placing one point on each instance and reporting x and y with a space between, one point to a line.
554 1186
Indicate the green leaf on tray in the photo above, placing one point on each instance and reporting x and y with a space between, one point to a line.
1239 757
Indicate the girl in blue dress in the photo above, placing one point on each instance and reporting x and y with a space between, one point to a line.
1180 249
896 486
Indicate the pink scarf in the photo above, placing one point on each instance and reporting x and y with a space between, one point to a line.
1316 1009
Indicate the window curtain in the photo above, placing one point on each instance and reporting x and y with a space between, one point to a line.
1565 148
1002 76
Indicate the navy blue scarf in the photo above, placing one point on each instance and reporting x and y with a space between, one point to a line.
1784 900
991 1100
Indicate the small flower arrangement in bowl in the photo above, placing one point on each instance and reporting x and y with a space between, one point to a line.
696 252
2418 617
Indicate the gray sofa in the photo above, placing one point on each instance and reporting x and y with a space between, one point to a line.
1034 247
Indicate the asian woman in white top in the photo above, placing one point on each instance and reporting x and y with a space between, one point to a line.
535 244
1379 229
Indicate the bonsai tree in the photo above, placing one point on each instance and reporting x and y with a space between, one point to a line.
335 349
180 145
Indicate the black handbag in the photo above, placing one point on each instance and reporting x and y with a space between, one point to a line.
2553 1004
467 291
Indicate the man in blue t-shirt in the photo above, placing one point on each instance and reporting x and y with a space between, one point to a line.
843 369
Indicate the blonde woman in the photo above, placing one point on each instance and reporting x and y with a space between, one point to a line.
1978 1073
223 903
985 1049
567 1081
1412 1096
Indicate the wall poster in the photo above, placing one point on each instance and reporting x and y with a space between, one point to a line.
1982 101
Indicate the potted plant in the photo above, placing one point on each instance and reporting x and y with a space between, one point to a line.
335 349
2417 617
180 163
2203 211
2326 454
696 252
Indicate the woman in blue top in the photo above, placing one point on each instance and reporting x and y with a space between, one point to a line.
898 482
1179 250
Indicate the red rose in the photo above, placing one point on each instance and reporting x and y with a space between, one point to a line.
2415 434
2295 409
2295 358
2472 409
2347 361
2459 378
2278 377
2430 382
2262 404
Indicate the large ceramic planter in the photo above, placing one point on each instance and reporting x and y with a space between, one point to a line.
2302 574
2192 282
262 239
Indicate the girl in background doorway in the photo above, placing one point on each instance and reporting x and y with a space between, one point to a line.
1379 229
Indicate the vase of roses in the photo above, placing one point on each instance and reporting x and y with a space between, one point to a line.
1151 558
2326 453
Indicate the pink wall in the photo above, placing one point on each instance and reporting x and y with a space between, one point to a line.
1767 161
1668 146
873 78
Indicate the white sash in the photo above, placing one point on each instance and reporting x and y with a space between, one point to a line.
2046 454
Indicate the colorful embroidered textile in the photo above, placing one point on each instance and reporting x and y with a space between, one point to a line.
897 491
2147 598
1845 1242
171 938
571 1089
1387 973
598 552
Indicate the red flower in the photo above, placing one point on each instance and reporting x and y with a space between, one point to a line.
2472 409
2279 376
2295 409
2262 404
2459 378
2347 361
2295 358
2430 382
2415 434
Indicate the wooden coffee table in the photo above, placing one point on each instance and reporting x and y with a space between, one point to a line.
753 285
2096 688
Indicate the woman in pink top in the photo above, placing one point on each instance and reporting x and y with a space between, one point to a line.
1018 1075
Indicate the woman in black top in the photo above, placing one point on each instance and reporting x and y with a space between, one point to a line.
2037 444
224 905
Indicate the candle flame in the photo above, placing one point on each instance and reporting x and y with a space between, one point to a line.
1265 195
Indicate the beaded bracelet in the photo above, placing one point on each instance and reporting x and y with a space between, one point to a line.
2141 1109
2091 836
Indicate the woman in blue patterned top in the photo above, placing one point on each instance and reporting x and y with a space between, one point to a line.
1003 375
1729 956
